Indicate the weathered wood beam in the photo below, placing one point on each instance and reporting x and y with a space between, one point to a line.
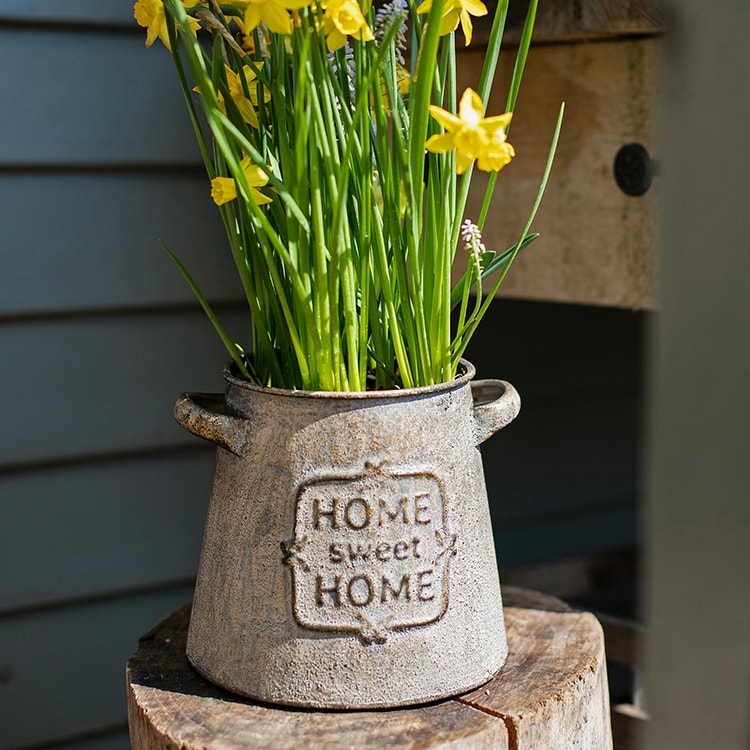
580 20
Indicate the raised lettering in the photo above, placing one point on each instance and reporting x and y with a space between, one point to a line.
383 552
318 513
332 591
360 591
336 553
401 550
424 586
359 552
370 552
387 514
415 542
422 509
357 513
403 588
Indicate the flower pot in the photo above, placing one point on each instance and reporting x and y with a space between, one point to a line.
348 559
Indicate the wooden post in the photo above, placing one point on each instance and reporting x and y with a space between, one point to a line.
552 694
697 514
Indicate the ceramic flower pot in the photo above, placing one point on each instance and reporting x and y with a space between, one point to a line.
348 559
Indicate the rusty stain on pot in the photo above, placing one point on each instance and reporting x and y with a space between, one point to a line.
348 559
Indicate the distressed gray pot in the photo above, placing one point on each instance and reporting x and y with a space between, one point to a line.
348 559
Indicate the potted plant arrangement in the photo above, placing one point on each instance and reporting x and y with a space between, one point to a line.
348 559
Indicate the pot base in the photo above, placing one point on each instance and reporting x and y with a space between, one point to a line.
360 681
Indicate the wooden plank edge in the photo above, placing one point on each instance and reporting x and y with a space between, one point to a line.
98 597
623 638
628 723
584 21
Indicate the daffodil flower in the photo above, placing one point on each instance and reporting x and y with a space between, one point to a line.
455 11
403 80
344 18
473 136
246 106
273 13
224 189
403 84
150 14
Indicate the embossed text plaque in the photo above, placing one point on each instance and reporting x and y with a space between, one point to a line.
370 552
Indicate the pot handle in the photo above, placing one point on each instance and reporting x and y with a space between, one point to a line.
496 405
204 415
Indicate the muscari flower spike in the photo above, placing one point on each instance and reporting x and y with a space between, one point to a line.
384 16
472 238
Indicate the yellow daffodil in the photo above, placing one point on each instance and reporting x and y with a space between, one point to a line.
224 189
150 14
246 106
403 84
273 13
455 11
251 46
403 79
344 18
473 136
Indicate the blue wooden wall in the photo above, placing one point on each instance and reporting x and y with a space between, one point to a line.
102 496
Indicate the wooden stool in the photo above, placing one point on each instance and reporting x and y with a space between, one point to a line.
551 694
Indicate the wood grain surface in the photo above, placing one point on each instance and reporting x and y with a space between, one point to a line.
583 20
597 244
552 693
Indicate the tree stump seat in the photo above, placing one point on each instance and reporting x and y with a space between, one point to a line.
551 694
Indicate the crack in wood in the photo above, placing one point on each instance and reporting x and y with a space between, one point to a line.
510 726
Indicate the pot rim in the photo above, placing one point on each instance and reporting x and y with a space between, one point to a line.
461 379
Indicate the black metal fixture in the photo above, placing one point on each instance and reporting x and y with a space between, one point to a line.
634 169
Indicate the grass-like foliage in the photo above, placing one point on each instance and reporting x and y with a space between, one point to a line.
340 156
